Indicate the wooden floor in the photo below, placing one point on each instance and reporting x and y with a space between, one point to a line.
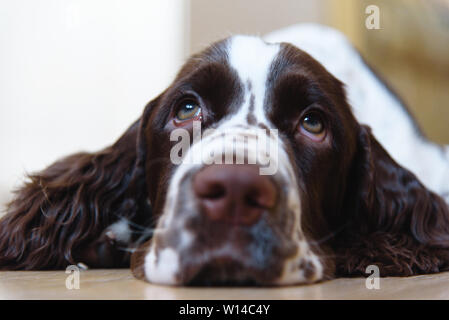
120 284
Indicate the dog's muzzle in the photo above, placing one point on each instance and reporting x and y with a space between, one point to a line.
232 223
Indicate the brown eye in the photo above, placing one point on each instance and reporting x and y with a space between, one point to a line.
313 124
188 110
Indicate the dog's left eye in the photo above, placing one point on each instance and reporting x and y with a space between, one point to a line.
188 110
312 125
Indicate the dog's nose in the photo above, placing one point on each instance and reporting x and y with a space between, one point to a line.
234 193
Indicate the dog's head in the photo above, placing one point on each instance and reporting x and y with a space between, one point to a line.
254 164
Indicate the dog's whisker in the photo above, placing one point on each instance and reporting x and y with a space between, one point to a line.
128 249
147 231
130 222
327 237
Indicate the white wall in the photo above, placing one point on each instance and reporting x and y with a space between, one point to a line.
75 73
212 20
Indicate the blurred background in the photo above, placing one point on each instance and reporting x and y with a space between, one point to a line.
74 74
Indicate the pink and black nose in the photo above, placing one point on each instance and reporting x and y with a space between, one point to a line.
234 194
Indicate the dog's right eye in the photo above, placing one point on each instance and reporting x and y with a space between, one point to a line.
188 110
312 125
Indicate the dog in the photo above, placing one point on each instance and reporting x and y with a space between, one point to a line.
331 202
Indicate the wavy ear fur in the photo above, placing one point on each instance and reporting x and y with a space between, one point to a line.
394 221
59 216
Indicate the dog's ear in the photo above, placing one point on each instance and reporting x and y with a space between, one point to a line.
393 220
58 217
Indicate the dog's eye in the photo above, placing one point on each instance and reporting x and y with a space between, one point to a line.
312 125
188 110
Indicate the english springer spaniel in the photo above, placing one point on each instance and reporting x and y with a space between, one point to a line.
331 201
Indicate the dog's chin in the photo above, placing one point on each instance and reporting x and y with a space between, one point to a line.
236 259
225 271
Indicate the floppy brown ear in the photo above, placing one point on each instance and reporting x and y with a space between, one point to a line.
392 220
58 217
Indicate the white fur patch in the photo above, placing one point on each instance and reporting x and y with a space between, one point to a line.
294 274
162 267
120 231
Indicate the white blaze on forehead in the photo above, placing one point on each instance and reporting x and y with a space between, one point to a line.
251 58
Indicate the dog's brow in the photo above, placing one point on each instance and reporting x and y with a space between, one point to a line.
252 58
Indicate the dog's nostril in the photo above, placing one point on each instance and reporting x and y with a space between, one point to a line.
211 191
253 199
234 193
